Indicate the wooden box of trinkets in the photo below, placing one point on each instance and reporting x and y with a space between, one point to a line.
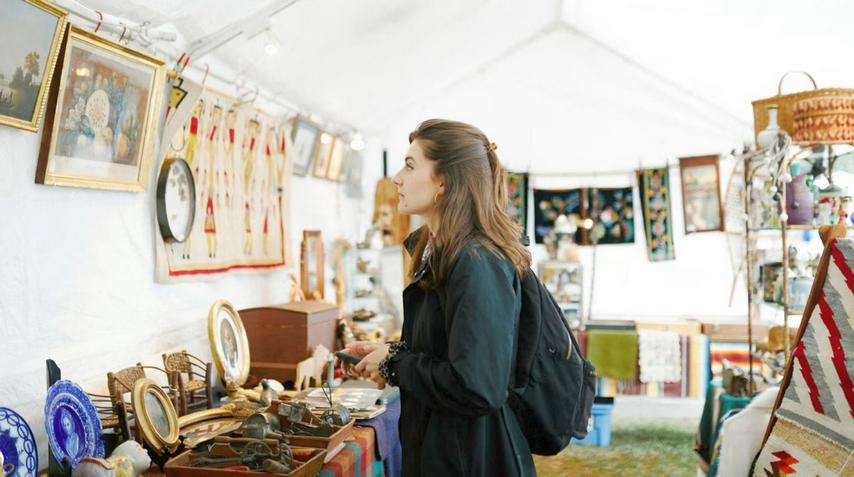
309 432
281 336
309 461
331 444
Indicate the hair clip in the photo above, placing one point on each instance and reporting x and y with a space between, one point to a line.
492 146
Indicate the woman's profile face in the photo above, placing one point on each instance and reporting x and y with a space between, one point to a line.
416 184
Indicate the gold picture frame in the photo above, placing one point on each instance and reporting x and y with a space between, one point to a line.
39 25
311 265
100 129
229 343
155 415
336 159
702 207
306 137
323 152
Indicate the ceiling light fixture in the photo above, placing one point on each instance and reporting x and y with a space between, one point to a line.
357 144
271 43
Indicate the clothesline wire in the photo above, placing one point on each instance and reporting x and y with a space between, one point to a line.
614 172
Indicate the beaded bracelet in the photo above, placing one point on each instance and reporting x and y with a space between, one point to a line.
385 368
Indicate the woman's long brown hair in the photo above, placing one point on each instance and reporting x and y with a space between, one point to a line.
473 204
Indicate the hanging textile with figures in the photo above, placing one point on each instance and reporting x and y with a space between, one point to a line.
238 156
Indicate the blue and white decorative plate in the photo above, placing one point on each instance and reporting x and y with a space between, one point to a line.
17 444
72 424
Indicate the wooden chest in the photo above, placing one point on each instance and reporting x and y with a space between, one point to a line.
280 336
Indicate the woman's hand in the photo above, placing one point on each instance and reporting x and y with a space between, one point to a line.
359 349
369 366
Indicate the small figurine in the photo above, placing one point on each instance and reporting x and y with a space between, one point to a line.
137 455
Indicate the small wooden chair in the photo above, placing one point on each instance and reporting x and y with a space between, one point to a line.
113 418
121 382
191 377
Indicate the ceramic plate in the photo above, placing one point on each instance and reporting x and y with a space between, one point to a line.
17 444
72 424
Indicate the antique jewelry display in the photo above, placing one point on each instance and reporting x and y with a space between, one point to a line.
72 424
176 200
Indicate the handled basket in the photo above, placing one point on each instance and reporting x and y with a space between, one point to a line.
786 102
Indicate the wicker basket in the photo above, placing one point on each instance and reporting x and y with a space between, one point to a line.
785 102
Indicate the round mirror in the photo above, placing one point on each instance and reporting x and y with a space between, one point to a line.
155 415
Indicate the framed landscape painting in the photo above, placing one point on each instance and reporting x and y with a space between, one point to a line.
101 131
304 136
32 32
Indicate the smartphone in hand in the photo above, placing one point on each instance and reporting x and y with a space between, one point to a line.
347 358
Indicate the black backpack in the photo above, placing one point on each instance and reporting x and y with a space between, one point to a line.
553 385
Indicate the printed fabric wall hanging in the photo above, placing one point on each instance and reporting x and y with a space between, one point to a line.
238 156
701 194
654 189
811 431
32 31
611 211
102 129
550 204
517 198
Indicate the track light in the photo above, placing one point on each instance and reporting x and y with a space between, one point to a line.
357 144
271 43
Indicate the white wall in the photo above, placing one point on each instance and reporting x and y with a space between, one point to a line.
696 285
77 274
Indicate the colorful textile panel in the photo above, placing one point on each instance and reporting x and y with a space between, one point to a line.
517 198
550 204
654 189
737 353
814 429
356 459
610 209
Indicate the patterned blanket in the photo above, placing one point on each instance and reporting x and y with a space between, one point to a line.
813 433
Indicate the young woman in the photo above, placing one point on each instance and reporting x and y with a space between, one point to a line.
461 311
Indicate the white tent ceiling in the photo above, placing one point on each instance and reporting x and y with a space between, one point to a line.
571 86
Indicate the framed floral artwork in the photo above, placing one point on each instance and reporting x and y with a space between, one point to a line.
101 130
32 30
304 136
701 194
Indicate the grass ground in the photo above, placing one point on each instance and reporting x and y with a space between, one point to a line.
640 447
